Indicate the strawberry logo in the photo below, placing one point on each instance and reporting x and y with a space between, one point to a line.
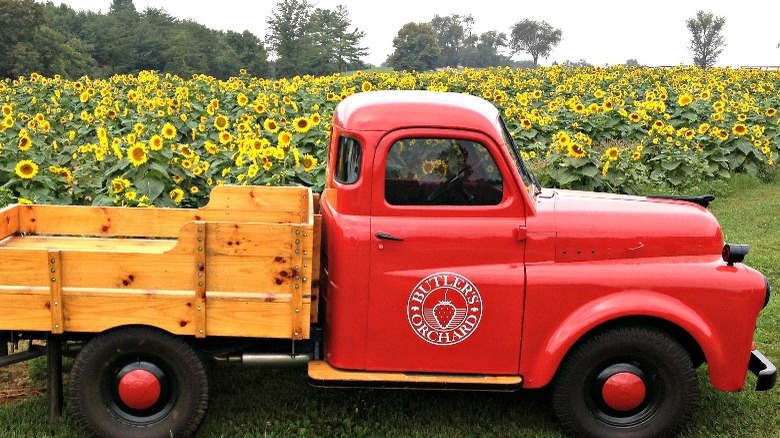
444 311
444 308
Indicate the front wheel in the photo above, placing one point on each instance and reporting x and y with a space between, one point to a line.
139 381
626 382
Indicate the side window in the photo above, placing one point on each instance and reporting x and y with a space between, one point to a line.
435 171
348 159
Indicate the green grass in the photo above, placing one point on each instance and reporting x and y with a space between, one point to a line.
254 402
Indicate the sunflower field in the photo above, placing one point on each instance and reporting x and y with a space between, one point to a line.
155 139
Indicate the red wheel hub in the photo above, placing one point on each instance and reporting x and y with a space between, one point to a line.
624 391
139 389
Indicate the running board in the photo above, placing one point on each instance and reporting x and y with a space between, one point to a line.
322 373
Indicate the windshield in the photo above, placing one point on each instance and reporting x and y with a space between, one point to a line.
529 179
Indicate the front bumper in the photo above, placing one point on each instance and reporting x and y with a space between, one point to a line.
763 369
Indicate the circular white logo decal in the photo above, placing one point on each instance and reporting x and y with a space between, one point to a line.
444 308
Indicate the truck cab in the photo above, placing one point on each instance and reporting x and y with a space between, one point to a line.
444 256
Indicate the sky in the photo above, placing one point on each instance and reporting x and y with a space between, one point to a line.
602 32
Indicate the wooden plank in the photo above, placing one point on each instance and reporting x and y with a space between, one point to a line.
94 311
129 222
243 239
260 199
323 371
315 269
200 280
251 274
22 268
25 309
253 318
9 220
55 287
103 244
235 204
131 271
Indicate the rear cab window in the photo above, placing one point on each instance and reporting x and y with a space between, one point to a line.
349 155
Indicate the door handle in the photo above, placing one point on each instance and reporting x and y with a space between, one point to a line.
385 236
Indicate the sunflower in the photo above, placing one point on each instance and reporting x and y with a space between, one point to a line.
634 117
612 153
241 99
194 189
285 138
315 119
7 110
156 143
684 99
139 128
271 126
366 86
526 124
8 121
211 147
689 133
301 124
308 162
221 122
26 169
225 137
186 151
169 131
25 143
703 128
771 112
119 184
576 150
739 129
137 154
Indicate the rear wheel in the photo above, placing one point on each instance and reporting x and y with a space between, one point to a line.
626 382
139 381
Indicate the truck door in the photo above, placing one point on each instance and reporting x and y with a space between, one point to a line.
447 275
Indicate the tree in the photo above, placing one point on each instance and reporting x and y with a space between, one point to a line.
287 35
706 39
538 39
335 47
632 63
251 54
452 32
416 48
483 51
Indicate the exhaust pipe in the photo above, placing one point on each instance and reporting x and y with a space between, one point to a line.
265 359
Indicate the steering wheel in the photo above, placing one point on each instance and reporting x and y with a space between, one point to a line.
455 181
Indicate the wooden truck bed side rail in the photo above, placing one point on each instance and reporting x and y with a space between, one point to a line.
219 277
226 203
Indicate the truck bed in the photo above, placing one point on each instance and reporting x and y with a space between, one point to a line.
243 265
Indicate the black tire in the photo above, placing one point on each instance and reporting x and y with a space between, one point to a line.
96 379
652 359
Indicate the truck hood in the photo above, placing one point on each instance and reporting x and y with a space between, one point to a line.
598 226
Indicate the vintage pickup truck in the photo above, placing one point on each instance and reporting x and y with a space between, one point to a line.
432 259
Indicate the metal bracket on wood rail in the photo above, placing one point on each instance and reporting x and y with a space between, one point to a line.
297 283
55 289
200 280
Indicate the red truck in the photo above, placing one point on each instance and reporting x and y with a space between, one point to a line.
432 259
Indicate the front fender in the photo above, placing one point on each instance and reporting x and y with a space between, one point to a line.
540 366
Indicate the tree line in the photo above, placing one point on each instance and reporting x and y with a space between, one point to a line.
301 39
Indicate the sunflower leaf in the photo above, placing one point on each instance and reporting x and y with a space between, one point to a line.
151 185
